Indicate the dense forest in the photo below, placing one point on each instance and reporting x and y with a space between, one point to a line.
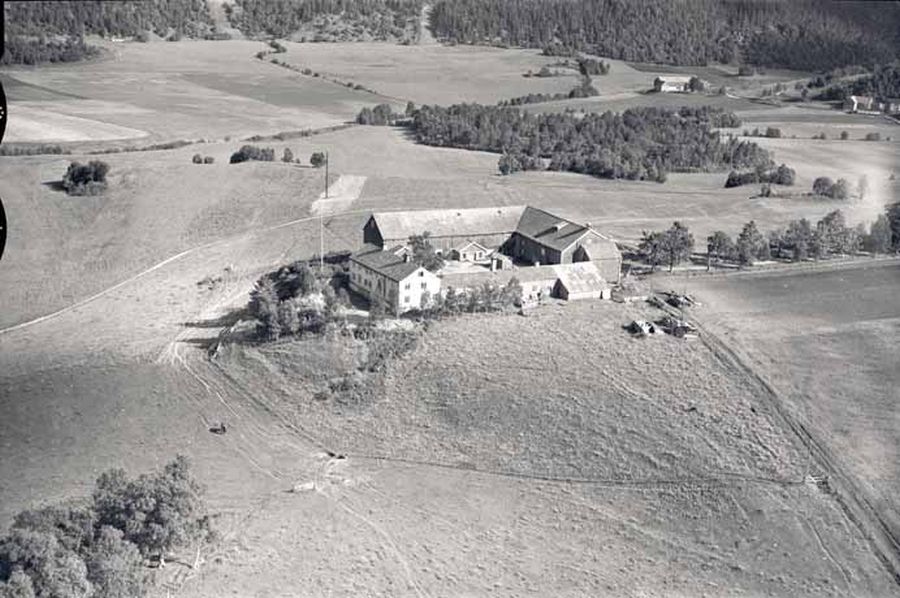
638 144
329 19
54 31
802 34
883 83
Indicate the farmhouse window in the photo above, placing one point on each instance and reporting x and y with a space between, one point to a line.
406 299
407 286
421 273
425 285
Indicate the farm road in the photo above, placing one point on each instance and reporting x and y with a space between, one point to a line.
341 196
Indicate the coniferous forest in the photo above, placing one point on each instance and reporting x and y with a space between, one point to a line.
638 144
801 34
380 19
54 31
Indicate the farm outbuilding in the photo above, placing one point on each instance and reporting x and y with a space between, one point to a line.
580 281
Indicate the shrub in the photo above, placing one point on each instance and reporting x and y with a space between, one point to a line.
746 71
508 164
251 152
773 132
208 160
783 175
85 179
845 135
287 156
873 136
317 159
839 189
380 115
197 159
822 185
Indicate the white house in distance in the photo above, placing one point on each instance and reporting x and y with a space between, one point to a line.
870 105
549 255
672 83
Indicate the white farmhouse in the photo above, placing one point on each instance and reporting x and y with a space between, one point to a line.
392 277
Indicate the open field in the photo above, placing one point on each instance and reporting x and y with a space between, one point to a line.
36 125
185 90
827 341
61 249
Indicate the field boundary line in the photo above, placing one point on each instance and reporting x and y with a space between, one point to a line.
722 478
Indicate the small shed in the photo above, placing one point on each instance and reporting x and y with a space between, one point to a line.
580 280
470 251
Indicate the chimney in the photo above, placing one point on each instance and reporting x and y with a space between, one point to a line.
406 257
493 264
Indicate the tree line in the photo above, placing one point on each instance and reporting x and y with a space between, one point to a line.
637 144
799 240
802 34
585 89
99 548
380 19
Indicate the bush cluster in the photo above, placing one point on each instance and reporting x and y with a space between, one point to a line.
783 175
295 300
380 115
85 179
198 159
252 152
826 187
98 549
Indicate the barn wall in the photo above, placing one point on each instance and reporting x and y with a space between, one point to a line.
528 250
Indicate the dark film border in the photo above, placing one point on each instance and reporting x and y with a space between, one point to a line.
2 229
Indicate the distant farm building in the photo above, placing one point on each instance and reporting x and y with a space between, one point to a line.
672 83
870 105
549 255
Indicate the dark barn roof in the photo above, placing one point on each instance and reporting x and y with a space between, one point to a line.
387 263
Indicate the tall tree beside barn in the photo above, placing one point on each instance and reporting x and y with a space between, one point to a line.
677 245
718 245
751 245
